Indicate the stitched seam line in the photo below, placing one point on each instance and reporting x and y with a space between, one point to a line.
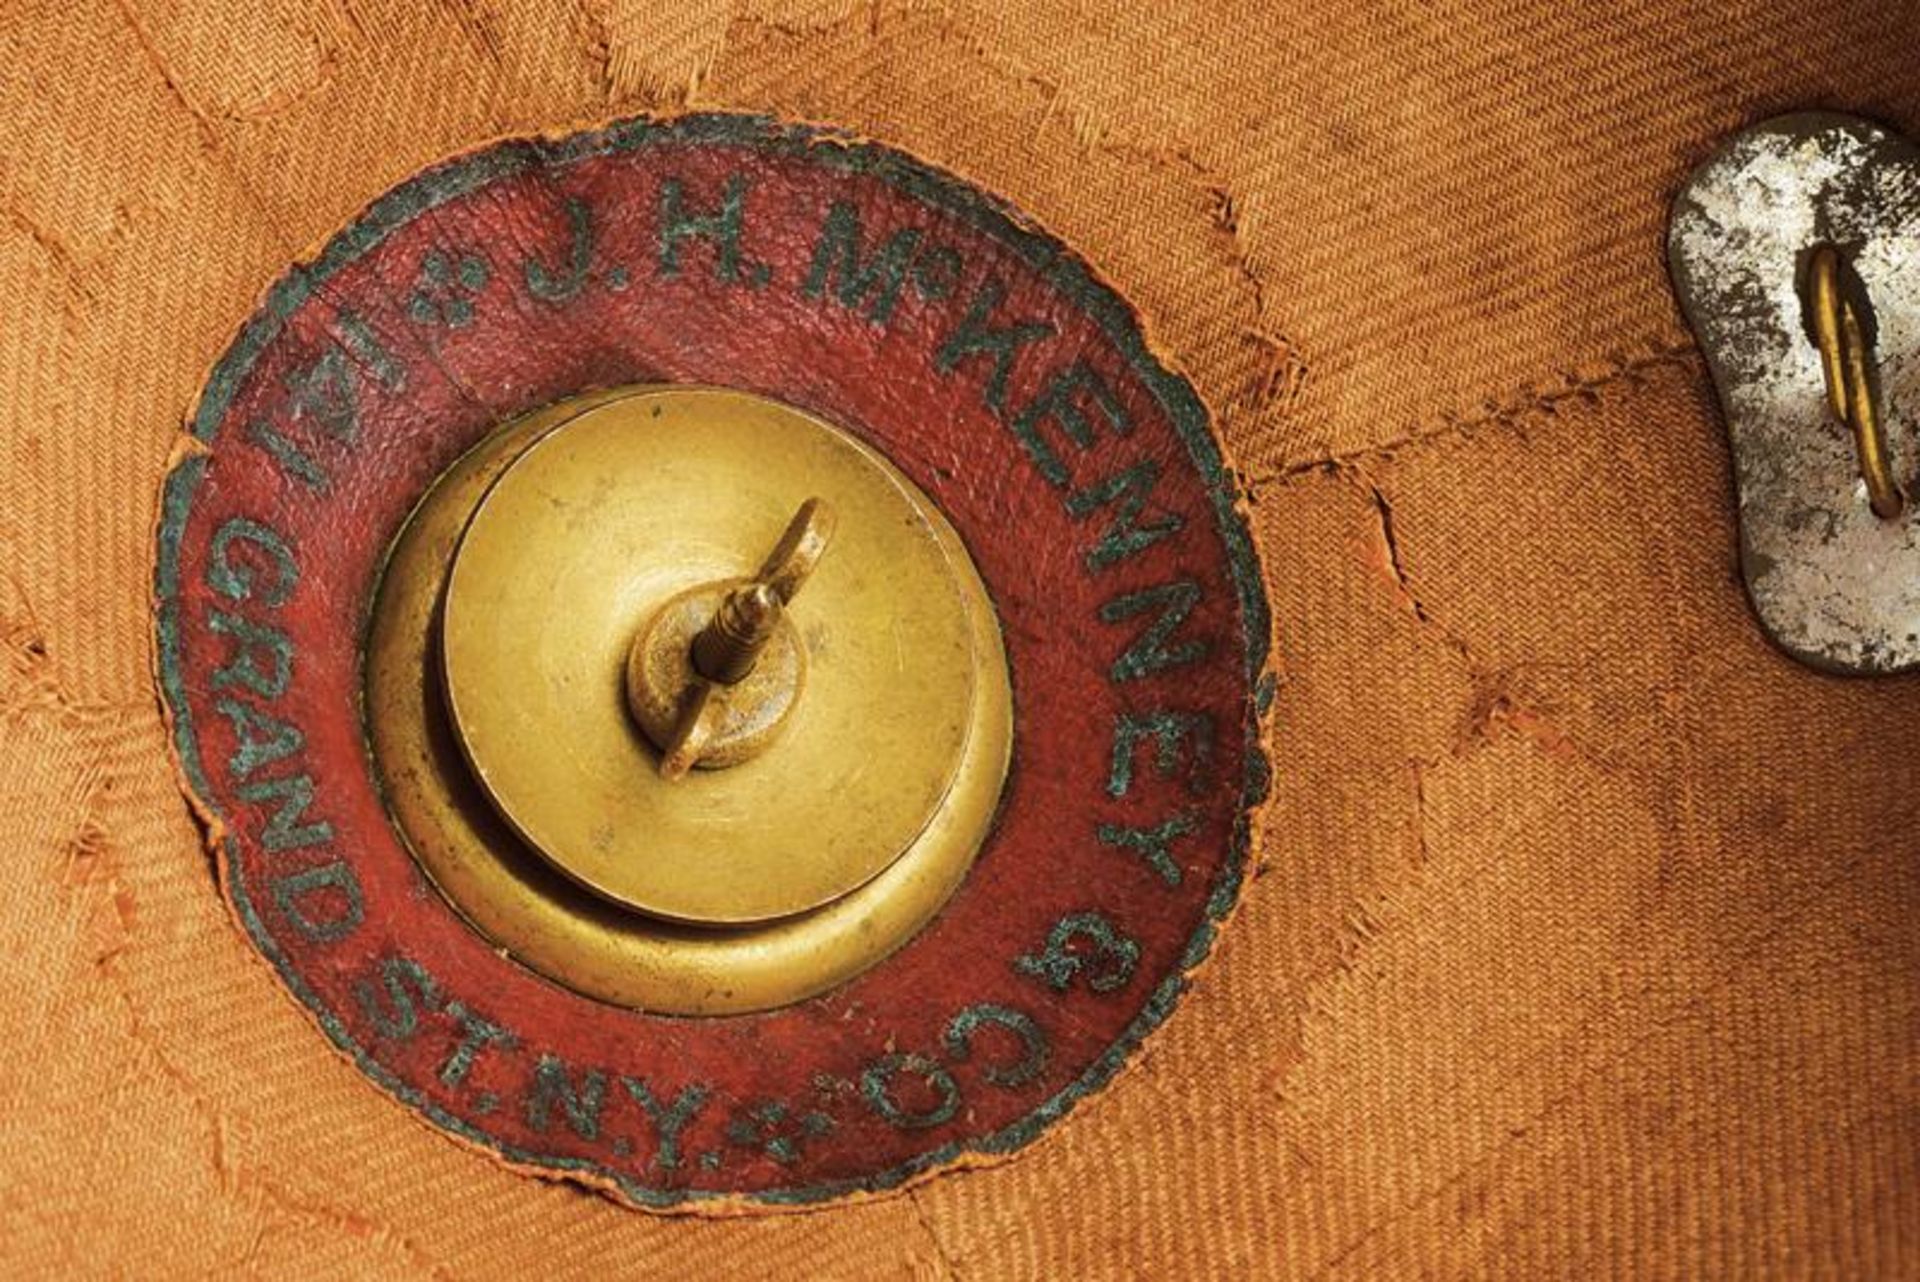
1627 370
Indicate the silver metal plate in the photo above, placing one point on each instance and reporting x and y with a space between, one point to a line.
1834 585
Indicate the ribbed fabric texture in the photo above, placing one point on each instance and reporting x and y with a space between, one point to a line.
1583 941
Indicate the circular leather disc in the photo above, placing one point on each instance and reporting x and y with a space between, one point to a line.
989 365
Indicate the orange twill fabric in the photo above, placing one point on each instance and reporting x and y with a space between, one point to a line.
1583 939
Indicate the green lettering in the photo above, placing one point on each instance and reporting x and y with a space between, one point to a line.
1033 1042
882 276
668 1120
976 338
253 642
327 393
294 894
1166 729
235 578
1151 844
1124 535
552 1085
722 227
408 988
476 1033
560 286
876 1083
936 271
284 831
365 346
1148 653
291 459
1058 962
259 738
1061 401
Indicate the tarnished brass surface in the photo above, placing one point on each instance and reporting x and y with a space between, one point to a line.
547 921
595 526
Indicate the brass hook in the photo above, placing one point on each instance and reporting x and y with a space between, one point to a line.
725 650
1841 338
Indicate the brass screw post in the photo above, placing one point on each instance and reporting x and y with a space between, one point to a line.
726 649
724 652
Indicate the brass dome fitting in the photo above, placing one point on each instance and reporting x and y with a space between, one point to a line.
572 594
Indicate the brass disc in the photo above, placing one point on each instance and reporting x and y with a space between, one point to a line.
598 526
545 920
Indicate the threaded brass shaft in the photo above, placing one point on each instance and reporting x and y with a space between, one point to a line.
726 649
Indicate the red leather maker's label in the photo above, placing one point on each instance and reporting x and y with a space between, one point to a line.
991 366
